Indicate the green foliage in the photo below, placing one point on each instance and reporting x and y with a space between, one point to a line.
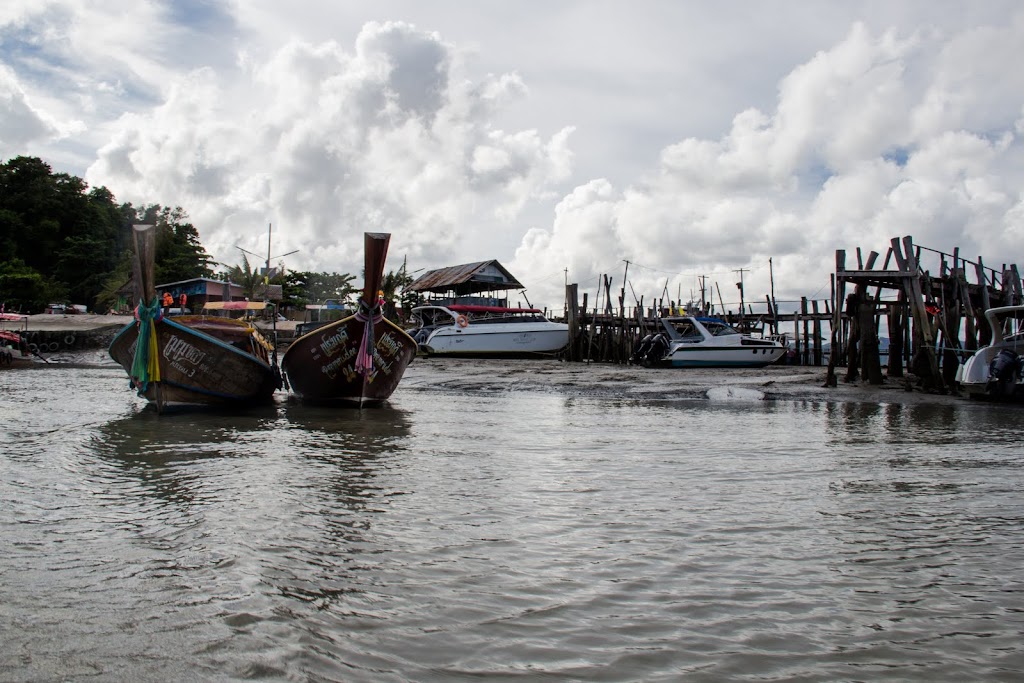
323 286
246 278
394 285
25 290
70 244
62 242
179 253
293 289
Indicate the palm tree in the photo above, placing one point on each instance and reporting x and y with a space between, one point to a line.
248 279
394 287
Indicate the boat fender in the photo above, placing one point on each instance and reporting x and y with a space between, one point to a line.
33 348
462 321
69 340
54 346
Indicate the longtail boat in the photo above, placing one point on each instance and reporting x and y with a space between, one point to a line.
194 360
358 360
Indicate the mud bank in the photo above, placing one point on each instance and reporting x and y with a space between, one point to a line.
770 383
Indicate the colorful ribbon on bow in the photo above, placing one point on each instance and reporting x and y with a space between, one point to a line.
364 358
146 362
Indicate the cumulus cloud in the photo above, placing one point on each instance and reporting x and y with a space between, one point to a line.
327 121
327 143
20 122
880 136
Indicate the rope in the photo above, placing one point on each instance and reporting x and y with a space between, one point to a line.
145 364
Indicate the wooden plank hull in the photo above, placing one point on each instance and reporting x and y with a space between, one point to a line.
320 367
198 369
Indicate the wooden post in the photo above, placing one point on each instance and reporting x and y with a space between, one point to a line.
896 318
924 365
805 359
871 369
853 346
571 292
816 326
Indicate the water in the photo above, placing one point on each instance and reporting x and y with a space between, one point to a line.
489 534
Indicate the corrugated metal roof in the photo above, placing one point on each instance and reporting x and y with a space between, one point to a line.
469 278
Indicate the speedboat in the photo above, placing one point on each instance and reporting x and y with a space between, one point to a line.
996 370
486 331
704 342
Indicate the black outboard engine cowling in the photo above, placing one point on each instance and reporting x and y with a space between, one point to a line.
640 352
651 350
1003 373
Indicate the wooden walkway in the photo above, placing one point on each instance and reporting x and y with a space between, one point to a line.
934 316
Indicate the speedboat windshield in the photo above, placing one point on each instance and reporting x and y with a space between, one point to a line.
718 328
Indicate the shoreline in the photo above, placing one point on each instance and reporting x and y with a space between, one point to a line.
773 382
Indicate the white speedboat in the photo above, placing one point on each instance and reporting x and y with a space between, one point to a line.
700 342
996 370
486 331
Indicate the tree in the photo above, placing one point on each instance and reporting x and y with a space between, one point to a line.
24 289
394 285
179 253
293 289
323 286
246 278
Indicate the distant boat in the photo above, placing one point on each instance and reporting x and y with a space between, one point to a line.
996 370
191 361
15 351
358 360
702 342
486 331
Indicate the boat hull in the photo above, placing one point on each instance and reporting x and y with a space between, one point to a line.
320 367
498 340
743 357
997 370
197 369
976 379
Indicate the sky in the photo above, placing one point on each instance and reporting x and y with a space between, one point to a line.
659 142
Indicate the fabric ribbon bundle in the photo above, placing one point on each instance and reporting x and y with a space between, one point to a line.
145 364
364 358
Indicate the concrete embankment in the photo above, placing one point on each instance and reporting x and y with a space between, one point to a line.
52 333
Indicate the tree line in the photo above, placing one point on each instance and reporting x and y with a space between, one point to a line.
62 242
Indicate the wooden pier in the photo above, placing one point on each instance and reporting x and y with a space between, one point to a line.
935 318
932 303
609 334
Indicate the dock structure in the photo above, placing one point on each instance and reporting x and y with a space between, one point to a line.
609 330
932 303
935 316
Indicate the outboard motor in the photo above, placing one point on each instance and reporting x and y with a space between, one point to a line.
640 352
1003 373
651 349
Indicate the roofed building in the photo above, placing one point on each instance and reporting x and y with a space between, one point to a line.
467 282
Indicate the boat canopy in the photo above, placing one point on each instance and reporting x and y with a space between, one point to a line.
471 308
236 305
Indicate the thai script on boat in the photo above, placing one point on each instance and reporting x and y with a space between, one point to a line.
388 343
331 345
331 369
178 350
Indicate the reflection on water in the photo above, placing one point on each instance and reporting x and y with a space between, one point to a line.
467 535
